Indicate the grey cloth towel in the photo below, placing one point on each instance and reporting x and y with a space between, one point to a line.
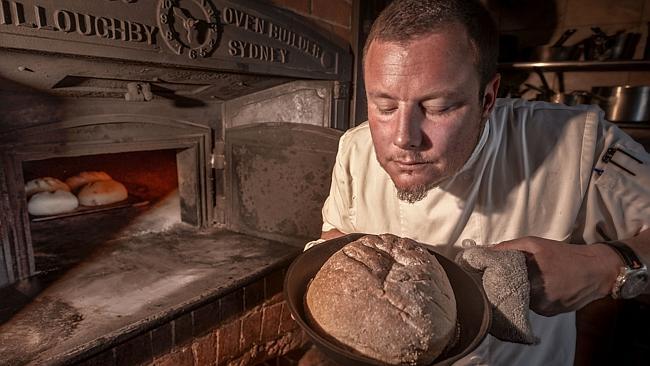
505 281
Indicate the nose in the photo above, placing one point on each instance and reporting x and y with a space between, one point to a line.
408 133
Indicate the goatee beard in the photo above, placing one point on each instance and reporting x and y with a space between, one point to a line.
412 194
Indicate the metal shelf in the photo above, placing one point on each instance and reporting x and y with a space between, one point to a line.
559 66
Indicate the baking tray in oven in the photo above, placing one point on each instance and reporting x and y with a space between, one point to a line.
131 201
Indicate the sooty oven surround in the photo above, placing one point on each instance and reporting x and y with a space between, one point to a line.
246 101
69 71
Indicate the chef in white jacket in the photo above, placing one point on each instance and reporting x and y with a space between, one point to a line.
441 160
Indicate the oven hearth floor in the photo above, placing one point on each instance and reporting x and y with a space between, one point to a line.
127 285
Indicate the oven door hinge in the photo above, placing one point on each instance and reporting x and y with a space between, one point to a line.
341 90
218 158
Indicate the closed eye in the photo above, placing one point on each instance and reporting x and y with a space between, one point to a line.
440 111
385 109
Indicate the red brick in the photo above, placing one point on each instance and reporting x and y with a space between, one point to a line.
344 33
322 26
277 298
287 324
204 350
254 356
228 341
251 326
331 29
180 357
299 6
271 322
334 11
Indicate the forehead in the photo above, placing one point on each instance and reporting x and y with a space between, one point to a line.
440 60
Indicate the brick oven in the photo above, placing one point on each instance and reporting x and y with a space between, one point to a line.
221 119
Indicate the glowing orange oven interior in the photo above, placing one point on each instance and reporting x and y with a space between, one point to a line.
153 204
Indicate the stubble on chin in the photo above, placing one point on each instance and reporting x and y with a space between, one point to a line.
412 194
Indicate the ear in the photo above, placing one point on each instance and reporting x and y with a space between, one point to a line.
490 95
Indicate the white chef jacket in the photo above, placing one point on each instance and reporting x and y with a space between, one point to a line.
537 170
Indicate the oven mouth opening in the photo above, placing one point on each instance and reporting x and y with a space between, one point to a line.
151 179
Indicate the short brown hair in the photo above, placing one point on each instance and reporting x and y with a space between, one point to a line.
405 20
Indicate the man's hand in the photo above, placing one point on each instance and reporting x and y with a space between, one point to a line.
565 277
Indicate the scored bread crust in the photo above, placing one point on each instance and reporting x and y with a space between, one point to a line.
102 192
77 181
387 298
44 184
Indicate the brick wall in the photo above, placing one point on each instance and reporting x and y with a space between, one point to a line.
332 16
249 338
244 327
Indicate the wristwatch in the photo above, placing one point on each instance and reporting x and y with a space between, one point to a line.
632 278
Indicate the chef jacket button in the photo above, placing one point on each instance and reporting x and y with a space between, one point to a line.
468 243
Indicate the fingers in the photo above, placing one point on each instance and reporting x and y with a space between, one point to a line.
507 245
527 244
538 300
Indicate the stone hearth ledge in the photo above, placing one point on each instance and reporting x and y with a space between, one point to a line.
131 285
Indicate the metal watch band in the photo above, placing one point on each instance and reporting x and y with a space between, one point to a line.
626 253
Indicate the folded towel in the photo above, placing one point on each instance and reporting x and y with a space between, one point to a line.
505 280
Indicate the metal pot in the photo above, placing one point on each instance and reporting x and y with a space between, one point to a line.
624 103
473 309
557 51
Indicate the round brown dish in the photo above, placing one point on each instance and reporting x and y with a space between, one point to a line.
385 297
472 306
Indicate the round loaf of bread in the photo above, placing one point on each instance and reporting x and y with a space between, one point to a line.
77 181
102 192
386 298
44 184
52 203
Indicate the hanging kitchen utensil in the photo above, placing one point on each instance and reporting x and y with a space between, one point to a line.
557 51
543 93
564 37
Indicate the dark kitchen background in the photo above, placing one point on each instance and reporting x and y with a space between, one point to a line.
566 48
237 143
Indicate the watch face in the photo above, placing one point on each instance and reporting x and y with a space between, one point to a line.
635 283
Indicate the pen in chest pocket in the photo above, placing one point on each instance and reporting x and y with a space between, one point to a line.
608 158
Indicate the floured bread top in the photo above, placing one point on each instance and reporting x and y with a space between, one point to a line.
385 297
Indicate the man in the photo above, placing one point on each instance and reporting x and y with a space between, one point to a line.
440 160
